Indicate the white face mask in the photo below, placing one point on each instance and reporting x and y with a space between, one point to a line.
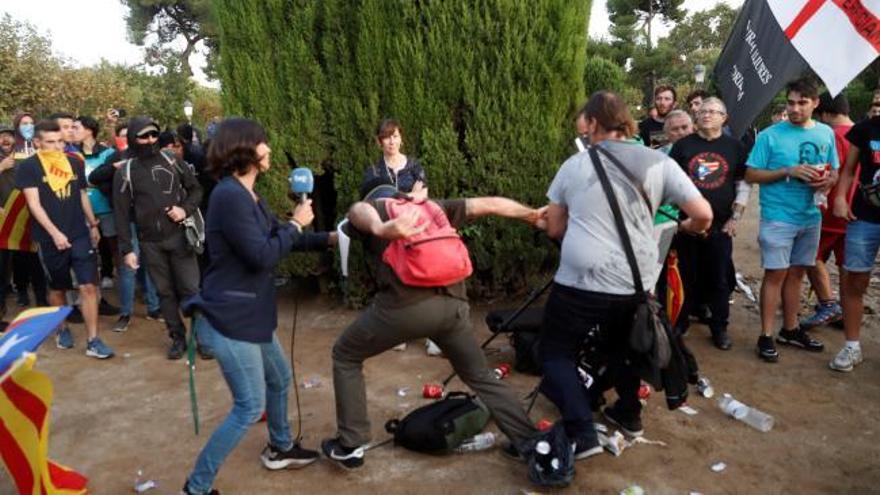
26 131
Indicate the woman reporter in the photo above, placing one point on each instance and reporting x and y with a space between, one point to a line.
235 312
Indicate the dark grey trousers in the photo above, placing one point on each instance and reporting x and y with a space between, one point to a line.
174 270
444 320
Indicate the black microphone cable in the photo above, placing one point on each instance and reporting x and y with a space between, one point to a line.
298 437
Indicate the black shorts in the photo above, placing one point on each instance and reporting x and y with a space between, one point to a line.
81 259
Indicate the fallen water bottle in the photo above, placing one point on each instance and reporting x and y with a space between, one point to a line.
482 441
749 415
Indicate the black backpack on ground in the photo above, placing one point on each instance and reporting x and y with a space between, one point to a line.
525 336
441 426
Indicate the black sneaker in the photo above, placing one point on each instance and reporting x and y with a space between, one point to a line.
721 339
348 458
75 315
631 427
177 349
185 491
295 457
156 316
205 352
122 323
585 448
799 338
107 309
766 349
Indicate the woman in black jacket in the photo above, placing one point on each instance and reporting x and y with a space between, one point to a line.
235 312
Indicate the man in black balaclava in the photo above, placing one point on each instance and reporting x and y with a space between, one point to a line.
160 191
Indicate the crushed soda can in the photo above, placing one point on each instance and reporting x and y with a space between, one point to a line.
432 391
501 371
644 391
313 382
544 425
705 388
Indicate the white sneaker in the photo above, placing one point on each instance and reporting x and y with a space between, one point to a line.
846 359
400 347
106 283
432 349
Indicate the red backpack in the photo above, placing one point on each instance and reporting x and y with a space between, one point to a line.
436 257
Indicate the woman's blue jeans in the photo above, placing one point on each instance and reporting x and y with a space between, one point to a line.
258 376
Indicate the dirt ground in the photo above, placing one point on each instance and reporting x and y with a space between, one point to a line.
112 419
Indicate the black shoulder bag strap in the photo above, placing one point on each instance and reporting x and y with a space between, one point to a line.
618 220
638 185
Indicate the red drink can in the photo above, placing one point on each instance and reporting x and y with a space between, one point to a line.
502 370
544 425
644 391
432 391
824 169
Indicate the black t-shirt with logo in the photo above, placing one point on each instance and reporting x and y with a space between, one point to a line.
714 166
62 203
652 133
865 135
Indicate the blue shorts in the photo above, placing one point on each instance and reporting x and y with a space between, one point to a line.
81 259
862 242
785 244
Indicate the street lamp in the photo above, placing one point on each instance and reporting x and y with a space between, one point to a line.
699 74
188 110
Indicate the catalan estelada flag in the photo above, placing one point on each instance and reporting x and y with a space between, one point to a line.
27 331
15 224
25 400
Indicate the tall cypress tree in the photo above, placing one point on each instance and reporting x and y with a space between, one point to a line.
484 89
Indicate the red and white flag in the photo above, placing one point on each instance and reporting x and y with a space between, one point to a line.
774 41
838 38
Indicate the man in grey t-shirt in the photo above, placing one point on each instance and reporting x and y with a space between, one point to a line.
592 255
593 298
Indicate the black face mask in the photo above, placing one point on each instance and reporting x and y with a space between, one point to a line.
147 150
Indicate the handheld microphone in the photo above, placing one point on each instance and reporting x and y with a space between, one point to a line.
302 183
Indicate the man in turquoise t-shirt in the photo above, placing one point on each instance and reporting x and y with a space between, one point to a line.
795 162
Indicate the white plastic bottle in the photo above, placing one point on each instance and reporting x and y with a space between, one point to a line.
482 441
749 415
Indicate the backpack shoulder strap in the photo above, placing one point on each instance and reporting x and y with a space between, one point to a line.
127 178
618 220
438 214
172 162
629 176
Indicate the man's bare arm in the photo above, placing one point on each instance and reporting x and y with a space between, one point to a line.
502 207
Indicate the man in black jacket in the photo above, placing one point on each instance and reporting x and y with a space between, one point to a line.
161 192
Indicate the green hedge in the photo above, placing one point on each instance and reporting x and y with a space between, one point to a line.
486 91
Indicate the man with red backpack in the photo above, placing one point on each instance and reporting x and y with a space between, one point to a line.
421 293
